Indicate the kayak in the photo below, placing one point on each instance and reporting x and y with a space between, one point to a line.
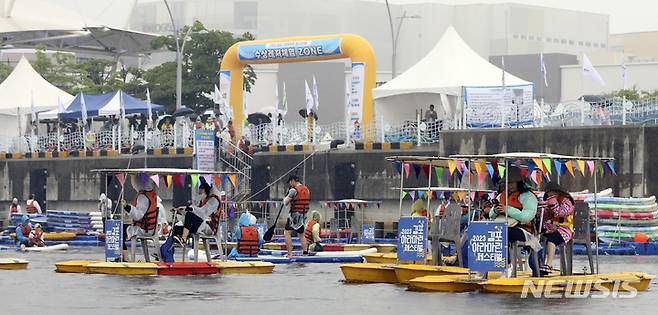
321 254
302 259
621 228
73 266
186 268
623 207
56 236
13 263
124 268
445 283
607 214
251 267
571 284
368 273
47 248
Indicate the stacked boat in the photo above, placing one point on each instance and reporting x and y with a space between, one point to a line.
162 268
624 220
69 221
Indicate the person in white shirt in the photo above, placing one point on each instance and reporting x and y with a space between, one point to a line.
32 205
105 208
195 216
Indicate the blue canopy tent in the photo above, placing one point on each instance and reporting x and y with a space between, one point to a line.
106 105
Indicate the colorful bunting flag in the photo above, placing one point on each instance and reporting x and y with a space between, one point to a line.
421 194
156 180
569 166
208 179
446 195
490 170
407 170
494 166
416 170
581 166
412 194
167 180
452 165
531 167
121 178
217 180
439 172
558 167
234 179
426 170
590 165
178 180
501 171
599 167
403 194
611 165
548 165
398 167
195 181
481 178
539 163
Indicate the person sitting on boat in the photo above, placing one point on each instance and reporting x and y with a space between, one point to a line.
142 214
557 226
312 232
299 199
418 208
247 237
14 207
36 238
32 205
519 207
23 232
195 216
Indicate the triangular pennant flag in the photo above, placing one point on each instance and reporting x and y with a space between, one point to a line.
412 194
398 167
472 196
234 180
494 165
490 170
167 180
421 194
558 167
223 180
539 179
481 178
217 180
458 166
531 167
403 194
195 181
156 180
501 171
611 165
452 166
569 166
426 170
590 165
416 170
446 195
208 179
533 176
599 167
439 172
548 165
121 178
407 170
539 163
143 178
581 166
178 180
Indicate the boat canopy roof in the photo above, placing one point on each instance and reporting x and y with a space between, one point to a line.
444 189
161 171
525 155
418 159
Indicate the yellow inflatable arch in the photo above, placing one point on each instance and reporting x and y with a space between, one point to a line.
301 49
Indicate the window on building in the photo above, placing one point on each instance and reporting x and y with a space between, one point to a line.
596 45
603 45
563 42
530 37
246 15
515 36
588 44
548 39
580 43
539 38
523 37
571 42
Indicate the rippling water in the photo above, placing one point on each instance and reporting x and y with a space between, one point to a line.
312 288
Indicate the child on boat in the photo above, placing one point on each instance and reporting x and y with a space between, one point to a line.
557 226
312 232
36 238
247 237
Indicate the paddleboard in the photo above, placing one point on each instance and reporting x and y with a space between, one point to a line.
621 200
607 214
47 248
301 259
621 228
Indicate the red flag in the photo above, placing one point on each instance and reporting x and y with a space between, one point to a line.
121 178
178 180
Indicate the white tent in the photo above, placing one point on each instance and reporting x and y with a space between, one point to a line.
439 78
17 92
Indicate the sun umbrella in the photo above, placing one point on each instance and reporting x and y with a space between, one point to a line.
258 119
183 111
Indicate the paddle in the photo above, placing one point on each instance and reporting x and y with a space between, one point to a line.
270 232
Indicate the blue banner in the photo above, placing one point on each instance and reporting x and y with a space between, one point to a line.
290 50
487 246
368 233
113 239
412 239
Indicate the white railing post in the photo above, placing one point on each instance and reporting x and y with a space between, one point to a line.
175 131
623 110
418 129
382 128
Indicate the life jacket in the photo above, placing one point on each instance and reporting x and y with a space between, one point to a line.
30 208
302 201
513 201
150 219
248 241
563 221
13 208
25 229
215 216
308 231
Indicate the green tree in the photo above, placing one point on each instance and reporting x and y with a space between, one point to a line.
203 50
5 70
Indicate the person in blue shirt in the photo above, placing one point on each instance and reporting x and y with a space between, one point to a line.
23 232
248 239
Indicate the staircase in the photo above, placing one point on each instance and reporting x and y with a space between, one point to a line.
232 159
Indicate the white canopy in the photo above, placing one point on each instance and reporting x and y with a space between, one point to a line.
24 86
439 78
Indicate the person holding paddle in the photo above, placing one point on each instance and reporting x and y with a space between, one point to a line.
299 199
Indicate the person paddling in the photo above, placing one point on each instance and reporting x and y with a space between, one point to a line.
299 199
195 216
23 232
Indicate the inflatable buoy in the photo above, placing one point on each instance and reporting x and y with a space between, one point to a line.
640 238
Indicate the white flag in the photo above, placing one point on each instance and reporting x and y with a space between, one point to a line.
34 112
217 99
60 106
590 72
123 108
285 101
624 73
276 98
315 95
148 105
83 108
542 67
308 98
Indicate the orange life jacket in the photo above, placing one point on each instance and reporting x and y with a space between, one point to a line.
150 219
215 216
513 201
13 208
25 229
30 208
302 201
308 231
248 241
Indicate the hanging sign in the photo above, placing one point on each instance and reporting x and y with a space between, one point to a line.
204 149
487 246
290 50
355 107
367 233
412 239
112 239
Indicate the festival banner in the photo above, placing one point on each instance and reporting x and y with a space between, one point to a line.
367 233
490 107
204 149
355 110
487 246
291 50
112 239
412 239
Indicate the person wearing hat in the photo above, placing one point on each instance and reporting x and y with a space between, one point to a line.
195 216
299 200
557 226
23 232
141 216
36 238
518 206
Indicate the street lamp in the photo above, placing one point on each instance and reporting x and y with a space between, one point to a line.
179 61
395 35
